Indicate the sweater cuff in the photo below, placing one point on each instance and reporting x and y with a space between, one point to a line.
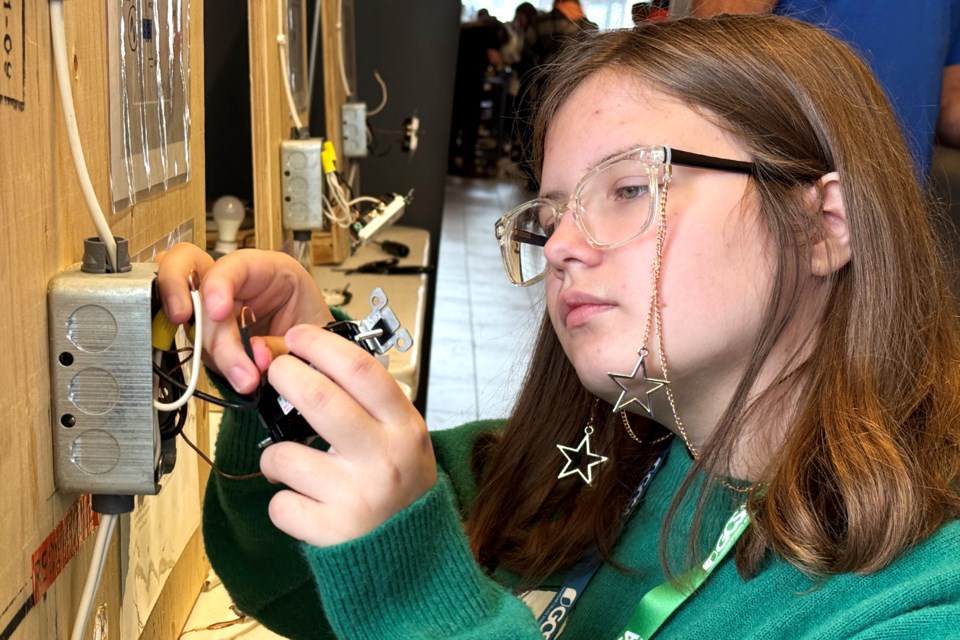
414 574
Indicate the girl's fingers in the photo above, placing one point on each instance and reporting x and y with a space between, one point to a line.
271 283
313 522
306 470
352 369
227 355
336 416
173 279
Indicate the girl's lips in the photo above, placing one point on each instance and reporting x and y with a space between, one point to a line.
578 308
578 315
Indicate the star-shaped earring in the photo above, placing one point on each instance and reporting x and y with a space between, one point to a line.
575 456
650 385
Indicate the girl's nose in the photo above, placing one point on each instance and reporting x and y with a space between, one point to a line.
567 244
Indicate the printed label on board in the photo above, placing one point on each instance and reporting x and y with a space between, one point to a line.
61 545
13 74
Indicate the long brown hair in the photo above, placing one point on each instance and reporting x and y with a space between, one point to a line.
871 460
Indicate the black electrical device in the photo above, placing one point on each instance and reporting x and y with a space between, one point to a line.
376 333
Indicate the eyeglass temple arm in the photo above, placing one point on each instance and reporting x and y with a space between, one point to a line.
527 237
690 159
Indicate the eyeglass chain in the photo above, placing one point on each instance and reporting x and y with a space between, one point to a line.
654 312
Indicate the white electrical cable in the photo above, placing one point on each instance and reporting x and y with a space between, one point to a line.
328 211
365 199
383 100
352 176
195 368
108 522
343 62
282 12
333 186
58 37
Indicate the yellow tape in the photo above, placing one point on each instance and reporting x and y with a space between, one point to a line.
164 331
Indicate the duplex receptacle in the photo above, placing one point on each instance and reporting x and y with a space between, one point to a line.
411 134
105 428
378 219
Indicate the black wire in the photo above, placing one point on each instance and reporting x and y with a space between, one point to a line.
171 423
345 185
206 397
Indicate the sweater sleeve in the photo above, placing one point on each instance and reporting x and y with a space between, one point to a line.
931 623
414 577
261 567
266 572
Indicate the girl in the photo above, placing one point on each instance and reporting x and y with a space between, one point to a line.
741 416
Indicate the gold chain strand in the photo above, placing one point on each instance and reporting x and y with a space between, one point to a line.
626 424
658 329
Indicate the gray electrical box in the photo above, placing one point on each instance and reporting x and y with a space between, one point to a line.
105 434
301 184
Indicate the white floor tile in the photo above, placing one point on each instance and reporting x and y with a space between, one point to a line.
476 306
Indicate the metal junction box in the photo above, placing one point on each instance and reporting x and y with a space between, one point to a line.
105 434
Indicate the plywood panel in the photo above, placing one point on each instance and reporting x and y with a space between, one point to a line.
272 122
42 223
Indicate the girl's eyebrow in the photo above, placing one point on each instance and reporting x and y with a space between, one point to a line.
560 196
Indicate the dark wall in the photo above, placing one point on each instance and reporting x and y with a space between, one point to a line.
229 156
413 45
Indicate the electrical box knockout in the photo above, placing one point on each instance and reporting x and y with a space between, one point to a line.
355 130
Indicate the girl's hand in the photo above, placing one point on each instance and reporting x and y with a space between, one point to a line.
380 458
278 291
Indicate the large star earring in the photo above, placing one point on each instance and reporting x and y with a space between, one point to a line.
576 456
648 385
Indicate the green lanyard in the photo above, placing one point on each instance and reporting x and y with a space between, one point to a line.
660 602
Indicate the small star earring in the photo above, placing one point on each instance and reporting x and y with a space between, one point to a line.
576 456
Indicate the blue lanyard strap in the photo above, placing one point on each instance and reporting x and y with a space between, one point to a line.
551 619
660 602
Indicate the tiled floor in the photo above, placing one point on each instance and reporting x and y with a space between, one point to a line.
483 326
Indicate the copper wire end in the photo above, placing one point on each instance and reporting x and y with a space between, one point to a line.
244 310
193 280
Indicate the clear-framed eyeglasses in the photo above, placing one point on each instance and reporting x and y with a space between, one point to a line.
613 204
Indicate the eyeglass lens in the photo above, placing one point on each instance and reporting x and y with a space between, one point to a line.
616 205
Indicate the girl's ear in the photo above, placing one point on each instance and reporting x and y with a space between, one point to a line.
832 250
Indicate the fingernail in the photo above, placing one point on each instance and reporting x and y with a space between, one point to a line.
173 307
240 378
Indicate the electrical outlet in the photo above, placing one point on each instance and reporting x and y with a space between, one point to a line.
355 130
105 428
411 134
301 184
384 215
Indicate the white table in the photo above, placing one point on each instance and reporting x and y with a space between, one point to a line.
406 295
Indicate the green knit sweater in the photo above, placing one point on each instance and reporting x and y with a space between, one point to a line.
414 577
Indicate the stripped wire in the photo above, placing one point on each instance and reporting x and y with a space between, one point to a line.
197 343
245 331
213 465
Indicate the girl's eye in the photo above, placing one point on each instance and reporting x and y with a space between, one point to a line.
631 191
